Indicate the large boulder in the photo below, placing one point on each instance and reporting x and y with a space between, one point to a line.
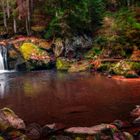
9 119
34 56
76 44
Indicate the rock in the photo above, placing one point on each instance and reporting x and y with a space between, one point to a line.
136 121
63 63
79 66
59 47
136 113
33 131
90 130
14 57
1 138
38 28
9 119
119 136
46 131
128 136
34 56
136 67
121 124
121 68
31 51
79 138
20 64
131 74
76 44
135 55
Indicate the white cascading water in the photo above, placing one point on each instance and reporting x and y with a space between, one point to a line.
1 61
3 58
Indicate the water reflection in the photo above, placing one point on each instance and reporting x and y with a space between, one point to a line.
3 80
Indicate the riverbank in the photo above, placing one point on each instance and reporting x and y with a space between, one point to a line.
32 53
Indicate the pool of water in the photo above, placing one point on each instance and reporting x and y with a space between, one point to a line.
81 99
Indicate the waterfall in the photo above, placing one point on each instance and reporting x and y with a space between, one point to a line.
3 58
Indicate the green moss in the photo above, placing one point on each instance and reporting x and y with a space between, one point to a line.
35 57
93 52
136 66
62 64
120 68
27 49
131 76
104 67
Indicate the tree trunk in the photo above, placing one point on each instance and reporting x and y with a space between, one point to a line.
27 27
15 25
8 8
28 20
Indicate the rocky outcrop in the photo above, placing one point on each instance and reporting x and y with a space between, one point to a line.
76 44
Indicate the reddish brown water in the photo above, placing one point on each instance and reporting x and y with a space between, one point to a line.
74 99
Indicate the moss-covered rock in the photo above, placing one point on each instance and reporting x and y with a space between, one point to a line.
131 74
136 67
34 56
135 55
104 67
31 51
121 68
79 66
9 119
63 64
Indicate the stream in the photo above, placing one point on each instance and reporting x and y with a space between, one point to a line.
76 99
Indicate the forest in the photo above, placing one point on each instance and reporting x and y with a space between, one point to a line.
66 31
